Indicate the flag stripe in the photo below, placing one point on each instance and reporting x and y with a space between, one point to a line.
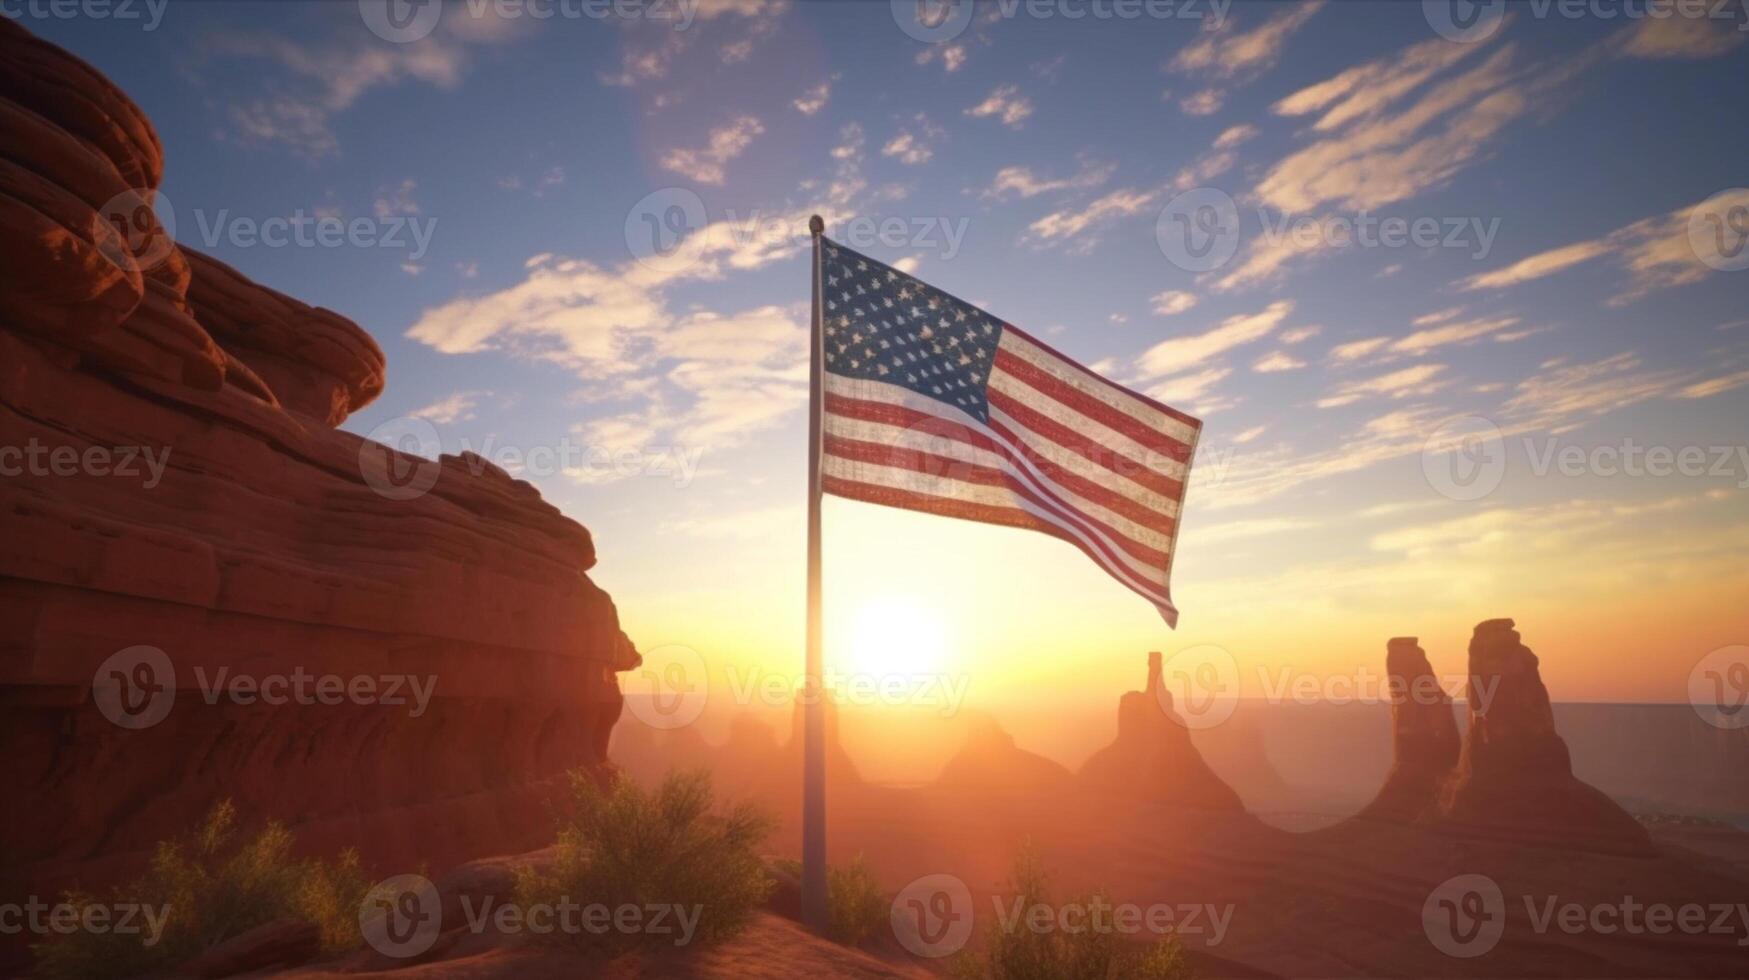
1003 516
888 424
1153 442
953 459
948 419
894 479
1145 410
1066 446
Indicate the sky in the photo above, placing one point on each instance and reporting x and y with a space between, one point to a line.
1434 289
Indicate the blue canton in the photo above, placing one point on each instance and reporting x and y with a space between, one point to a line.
883 325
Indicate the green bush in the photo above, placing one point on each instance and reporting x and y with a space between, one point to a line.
1023 954
211 886
856 908
622 845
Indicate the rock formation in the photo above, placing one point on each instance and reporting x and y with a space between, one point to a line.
1511 778
1514 778
270 546
991 762
1424 736
1152 758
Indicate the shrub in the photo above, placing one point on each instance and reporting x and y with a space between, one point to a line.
621 845
856 908
210 886
1019 953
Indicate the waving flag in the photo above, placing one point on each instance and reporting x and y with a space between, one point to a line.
931 404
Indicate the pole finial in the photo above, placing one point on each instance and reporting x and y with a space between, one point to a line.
817 225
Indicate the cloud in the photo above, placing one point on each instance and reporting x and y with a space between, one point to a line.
1354 350
1254 528
1382 143
1203 102
1299 335
1229 54
396 201
1654 253
705 164
1085 222
326 79
913 145
1217 161
1250 435
1682 37
1564 395
1276 361
815 98
458 407
1005 103
1188 387
1715 386
1418 380
1173 302
1021 182
952 56
1184 353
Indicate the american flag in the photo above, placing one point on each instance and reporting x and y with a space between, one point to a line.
932 404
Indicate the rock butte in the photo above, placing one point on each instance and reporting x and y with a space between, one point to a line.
263 551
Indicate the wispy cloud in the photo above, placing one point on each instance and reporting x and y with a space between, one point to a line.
1422 379
1021 182
1080 225
1184 353
1655 253
1004 103
706 164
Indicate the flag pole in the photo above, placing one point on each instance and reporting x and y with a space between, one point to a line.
814 727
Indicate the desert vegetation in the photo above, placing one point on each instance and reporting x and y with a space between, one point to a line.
216 883
671 847
1020 953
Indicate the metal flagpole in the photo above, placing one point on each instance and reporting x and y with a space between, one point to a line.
814 728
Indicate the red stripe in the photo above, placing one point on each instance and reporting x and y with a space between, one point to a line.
887 413
1080 445
981 513
1157 406
899 416
1056 389
952 469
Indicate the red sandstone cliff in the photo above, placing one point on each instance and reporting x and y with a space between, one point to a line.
1511 779
1153 758
262 550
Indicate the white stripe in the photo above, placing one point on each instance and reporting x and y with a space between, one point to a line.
1073 374
891 394
897 478
1073 419
896 437
1073 462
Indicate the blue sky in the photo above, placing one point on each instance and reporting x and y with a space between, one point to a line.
1561 159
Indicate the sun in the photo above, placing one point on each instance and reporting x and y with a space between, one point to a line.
892 635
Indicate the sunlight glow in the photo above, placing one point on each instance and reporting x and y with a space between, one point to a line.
892 635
